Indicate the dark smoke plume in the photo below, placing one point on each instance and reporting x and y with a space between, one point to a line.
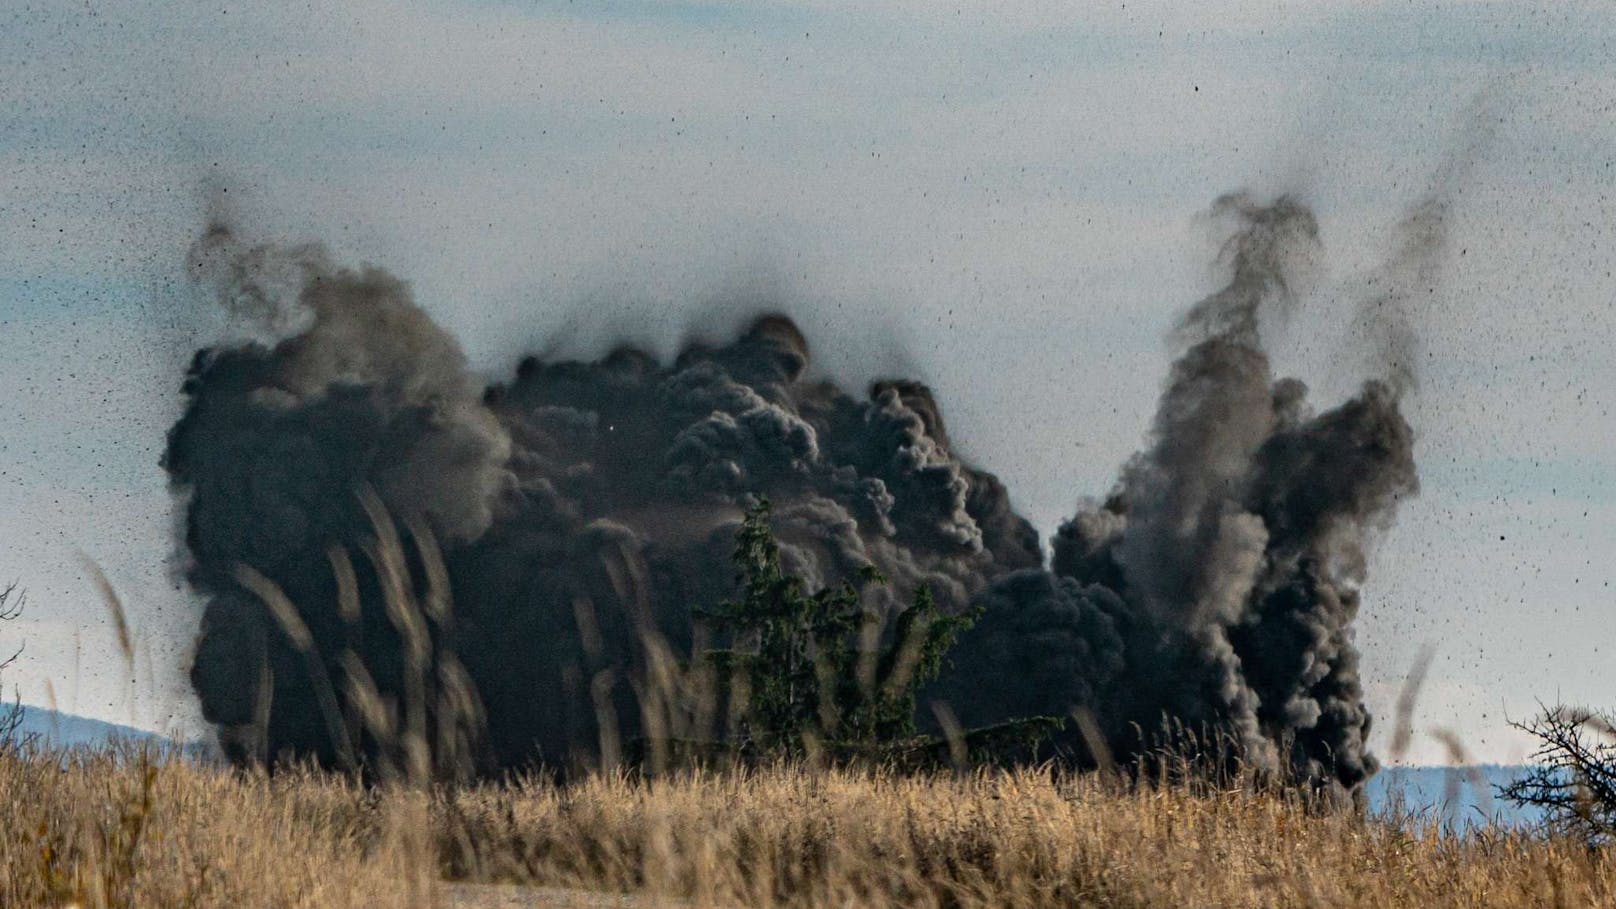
584 508
1217 584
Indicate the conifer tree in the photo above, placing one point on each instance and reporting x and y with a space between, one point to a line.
820 670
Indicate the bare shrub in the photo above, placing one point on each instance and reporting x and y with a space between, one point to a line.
12 600
1574 777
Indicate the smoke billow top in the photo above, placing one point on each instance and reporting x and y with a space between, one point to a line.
582 508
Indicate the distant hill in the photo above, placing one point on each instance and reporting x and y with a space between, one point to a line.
1459 794
64 730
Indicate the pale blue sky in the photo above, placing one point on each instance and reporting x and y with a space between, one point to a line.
998 197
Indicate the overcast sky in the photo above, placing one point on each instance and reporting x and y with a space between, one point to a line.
1001 199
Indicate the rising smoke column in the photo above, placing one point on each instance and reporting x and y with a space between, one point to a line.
1217 584
347 387
584 508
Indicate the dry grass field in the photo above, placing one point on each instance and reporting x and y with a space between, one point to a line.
115 829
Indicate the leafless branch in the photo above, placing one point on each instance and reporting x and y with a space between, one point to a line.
1574 777
12 600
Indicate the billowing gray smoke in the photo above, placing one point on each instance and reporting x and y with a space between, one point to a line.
1216 586
584 508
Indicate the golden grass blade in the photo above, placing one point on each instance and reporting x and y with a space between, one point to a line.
297 632
953 733
347 584
1099 748
1407 697
109 596
281 608
436 602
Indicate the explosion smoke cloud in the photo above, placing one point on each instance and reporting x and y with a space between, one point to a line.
1217 584
585 507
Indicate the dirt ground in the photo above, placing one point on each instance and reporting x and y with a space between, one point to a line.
505 896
